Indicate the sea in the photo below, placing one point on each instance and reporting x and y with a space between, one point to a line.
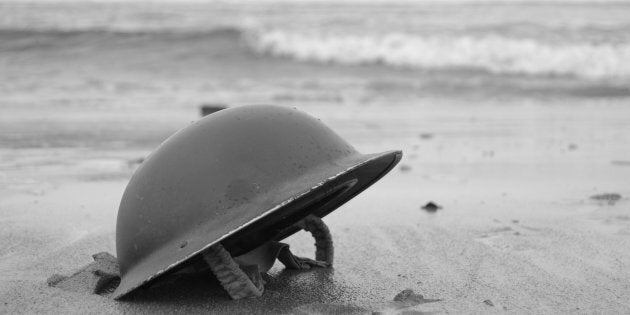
73 71
566 48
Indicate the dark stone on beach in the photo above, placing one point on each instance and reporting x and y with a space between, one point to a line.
409 298
100 277
488 302
611 198
207 109
426 136
431 207
405 168
408 295
572 147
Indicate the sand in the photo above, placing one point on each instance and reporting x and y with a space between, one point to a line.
518 227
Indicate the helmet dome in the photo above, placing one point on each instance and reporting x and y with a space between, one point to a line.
241 176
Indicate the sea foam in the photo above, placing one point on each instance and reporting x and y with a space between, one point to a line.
492 53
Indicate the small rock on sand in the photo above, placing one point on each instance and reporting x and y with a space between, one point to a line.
410 298
488 302
408 295
611 198
431 207
426 135
405 168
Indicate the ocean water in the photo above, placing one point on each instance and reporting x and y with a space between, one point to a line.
522 49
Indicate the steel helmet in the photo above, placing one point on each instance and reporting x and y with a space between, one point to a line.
238 177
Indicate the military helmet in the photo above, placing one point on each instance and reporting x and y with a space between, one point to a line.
239 177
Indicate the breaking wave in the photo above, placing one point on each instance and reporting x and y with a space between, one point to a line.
492 53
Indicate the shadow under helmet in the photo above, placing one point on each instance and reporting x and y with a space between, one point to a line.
239 178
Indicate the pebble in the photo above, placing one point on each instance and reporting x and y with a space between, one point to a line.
405 168
611 198
431 207
408 295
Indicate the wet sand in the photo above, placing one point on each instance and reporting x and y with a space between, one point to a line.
517 230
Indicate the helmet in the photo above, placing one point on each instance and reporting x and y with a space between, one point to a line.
241 176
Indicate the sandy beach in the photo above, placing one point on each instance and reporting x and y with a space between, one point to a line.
514 173
517 226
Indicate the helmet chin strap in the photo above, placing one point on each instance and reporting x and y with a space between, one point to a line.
241 276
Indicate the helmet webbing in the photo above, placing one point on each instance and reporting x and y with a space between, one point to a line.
244 280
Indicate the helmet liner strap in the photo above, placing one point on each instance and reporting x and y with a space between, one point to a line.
324 249
241 276
233 279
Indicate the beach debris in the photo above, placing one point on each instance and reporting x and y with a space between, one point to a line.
431 207
54 279
572 147
100 277
488 302
611 198
207 109
405 168
426 136
408 297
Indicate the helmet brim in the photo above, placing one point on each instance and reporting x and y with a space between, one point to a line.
322 191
